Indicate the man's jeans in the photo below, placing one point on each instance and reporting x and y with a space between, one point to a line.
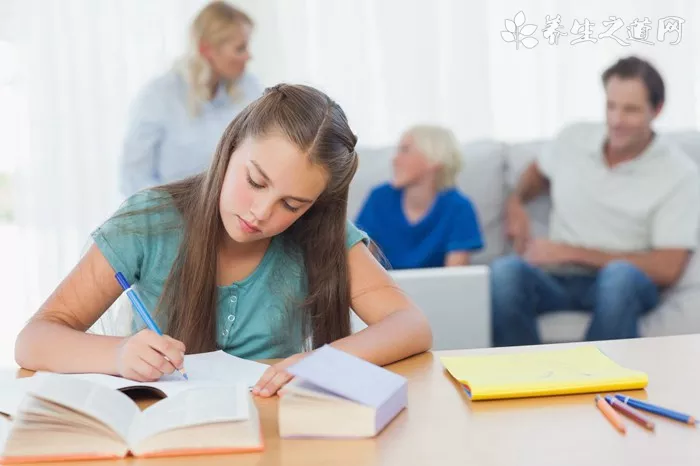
617 296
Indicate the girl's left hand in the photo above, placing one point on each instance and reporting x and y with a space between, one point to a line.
276 376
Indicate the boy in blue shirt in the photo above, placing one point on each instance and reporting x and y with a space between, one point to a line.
420 219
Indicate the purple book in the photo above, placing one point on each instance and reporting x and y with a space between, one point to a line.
330 371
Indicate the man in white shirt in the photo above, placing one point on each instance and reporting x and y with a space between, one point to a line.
624 219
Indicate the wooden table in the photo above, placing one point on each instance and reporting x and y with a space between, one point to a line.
442 427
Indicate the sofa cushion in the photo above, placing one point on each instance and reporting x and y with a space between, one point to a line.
678 312
482 179
374 168
563 326
688 141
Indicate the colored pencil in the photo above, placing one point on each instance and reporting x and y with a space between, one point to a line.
610 414
630 412
650 408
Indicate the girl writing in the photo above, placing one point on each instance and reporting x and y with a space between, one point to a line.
254 256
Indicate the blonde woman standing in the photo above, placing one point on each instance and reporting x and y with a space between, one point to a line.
178 118
420 219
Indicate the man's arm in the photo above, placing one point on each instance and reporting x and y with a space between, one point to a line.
674 234
663 266
531 184
674 230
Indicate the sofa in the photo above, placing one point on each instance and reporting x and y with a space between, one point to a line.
489 172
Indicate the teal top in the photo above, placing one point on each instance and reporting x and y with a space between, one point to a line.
253 314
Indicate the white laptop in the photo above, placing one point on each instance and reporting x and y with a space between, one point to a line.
456 301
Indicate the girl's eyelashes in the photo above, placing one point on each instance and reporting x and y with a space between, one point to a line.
289 207
252 183
255 185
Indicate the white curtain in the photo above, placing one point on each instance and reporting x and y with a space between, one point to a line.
389 63
81 61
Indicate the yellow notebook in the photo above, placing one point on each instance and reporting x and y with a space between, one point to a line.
582 369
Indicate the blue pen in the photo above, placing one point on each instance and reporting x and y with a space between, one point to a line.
141 310
639 404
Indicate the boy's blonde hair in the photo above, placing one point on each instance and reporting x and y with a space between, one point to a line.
439 145
215 24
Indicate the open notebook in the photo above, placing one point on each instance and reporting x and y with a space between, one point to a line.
204 369
65 418
582 369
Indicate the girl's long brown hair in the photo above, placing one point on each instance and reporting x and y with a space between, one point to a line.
319 128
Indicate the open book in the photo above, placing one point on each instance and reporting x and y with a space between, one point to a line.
12 392
65 417
335 394
215 368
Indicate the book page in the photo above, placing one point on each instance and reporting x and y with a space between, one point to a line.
11 394
5 427
216 368
220 366
118 383
207 405
113 408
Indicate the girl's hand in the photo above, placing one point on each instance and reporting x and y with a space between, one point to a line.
275 377
142 357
